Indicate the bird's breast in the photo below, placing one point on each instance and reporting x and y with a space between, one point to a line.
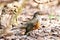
37 25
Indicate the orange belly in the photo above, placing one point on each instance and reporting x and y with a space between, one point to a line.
36 26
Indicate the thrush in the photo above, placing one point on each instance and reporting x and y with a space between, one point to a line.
33 24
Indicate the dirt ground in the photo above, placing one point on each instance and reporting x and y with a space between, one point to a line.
17 17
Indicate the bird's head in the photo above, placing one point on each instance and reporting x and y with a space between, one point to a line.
37 14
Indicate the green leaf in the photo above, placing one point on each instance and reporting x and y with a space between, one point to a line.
51 16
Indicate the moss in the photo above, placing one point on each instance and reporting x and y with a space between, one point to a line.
51 16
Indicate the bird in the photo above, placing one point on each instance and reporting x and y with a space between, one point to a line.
33 24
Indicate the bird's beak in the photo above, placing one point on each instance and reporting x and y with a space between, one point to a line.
40 13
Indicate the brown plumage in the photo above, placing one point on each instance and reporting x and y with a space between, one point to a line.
36 26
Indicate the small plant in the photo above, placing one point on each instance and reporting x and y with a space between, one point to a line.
14 14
